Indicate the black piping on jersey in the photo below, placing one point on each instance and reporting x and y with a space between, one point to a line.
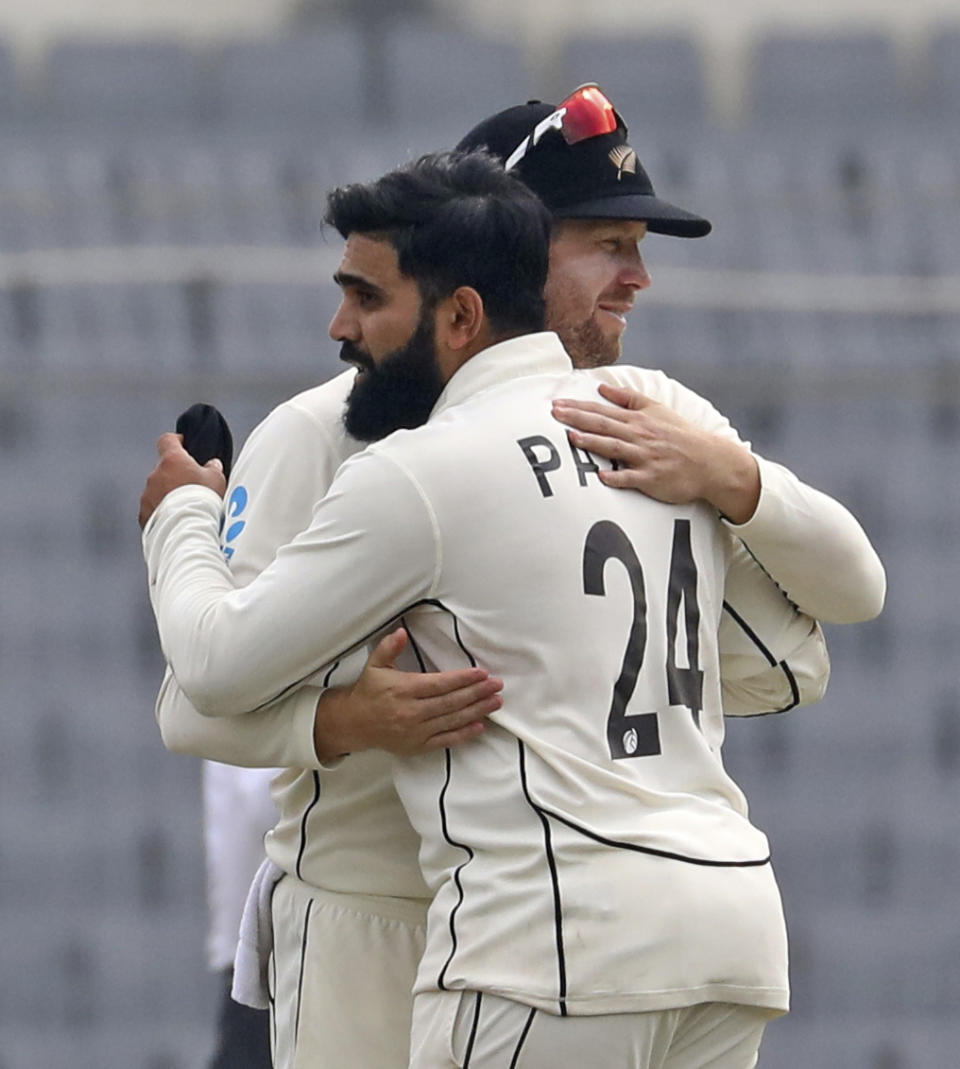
473 1030
555 883
413 645
452 922
456 634
362 641
523 1037
272 1000
763 569
303 962
303 822
771 660
668 854
316 794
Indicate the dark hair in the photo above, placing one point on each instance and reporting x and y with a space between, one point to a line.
458 219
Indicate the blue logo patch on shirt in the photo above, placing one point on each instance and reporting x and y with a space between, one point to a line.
235 507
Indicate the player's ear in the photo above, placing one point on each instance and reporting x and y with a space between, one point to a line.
461 318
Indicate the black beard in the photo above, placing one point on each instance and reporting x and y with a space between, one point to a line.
398 392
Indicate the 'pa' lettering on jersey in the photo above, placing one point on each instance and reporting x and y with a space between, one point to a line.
544 457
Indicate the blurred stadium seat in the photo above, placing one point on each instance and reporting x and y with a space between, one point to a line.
438 82
111 86
13 98
169 193
273 330
825 79
940 99
235 145
312 84
131 330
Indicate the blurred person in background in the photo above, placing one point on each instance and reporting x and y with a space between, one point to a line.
604 202
238 811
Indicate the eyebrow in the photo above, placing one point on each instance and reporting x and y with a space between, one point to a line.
344 280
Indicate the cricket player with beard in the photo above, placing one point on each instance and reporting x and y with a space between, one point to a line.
346 866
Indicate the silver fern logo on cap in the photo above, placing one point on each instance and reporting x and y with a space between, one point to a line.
624 159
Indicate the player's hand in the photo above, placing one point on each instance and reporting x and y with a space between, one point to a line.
662 454
405 713
177 468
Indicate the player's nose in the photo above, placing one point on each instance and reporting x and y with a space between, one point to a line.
343 326
635 274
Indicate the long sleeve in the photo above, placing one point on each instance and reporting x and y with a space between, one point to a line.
279 736
814 549
286 465
773 657
235 650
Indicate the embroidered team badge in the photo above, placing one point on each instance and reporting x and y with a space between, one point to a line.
624 159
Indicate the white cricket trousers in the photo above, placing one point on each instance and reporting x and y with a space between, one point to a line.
341 977
470 1030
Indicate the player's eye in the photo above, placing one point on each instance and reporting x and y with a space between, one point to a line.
366 298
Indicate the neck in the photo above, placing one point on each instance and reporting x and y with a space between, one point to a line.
450 360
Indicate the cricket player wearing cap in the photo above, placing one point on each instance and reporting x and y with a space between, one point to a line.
351 894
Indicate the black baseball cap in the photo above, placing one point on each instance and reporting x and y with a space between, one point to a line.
598 177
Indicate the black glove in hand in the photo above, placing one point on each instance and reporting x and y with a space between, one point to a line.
206 435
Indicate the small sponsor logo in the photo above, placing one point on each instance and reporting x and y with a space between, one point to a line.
231 526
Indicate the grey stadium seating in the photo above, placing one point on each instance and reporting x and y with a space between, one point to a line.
101 897
826 79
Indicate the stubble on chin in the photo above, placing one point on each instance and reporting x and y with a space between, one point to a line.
586 344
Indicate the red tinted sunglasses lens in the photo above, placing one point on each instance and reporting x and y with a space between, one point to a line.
588 114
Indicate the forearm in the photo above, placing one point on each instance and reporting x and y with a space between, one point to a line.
796 680
190 586
280 736
236 650
814 549
334 727
772 656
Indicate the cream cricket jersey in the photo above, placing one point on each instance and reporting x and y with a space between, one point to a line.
341 828
497 544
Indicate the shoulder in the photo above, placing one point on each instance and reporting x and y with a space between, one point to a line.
654 383
317 411
658 386
307 425
285 467
323 402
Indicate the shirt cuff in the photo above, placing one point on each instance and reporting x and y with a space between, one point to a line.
302 751
768 511
189 493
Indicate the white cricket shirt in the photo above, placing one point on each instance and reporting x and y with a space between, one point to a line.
497 544
341 827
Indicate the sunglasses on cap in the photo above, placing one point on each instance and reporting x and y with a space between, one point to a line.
584 114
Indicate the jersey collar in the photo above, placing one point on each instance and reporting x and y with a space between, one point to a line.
529 354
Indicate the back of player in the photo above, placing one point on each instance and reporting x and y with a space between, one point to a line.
589 853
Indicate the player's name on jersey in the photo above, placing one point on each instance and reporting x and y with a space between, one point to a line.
544 457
